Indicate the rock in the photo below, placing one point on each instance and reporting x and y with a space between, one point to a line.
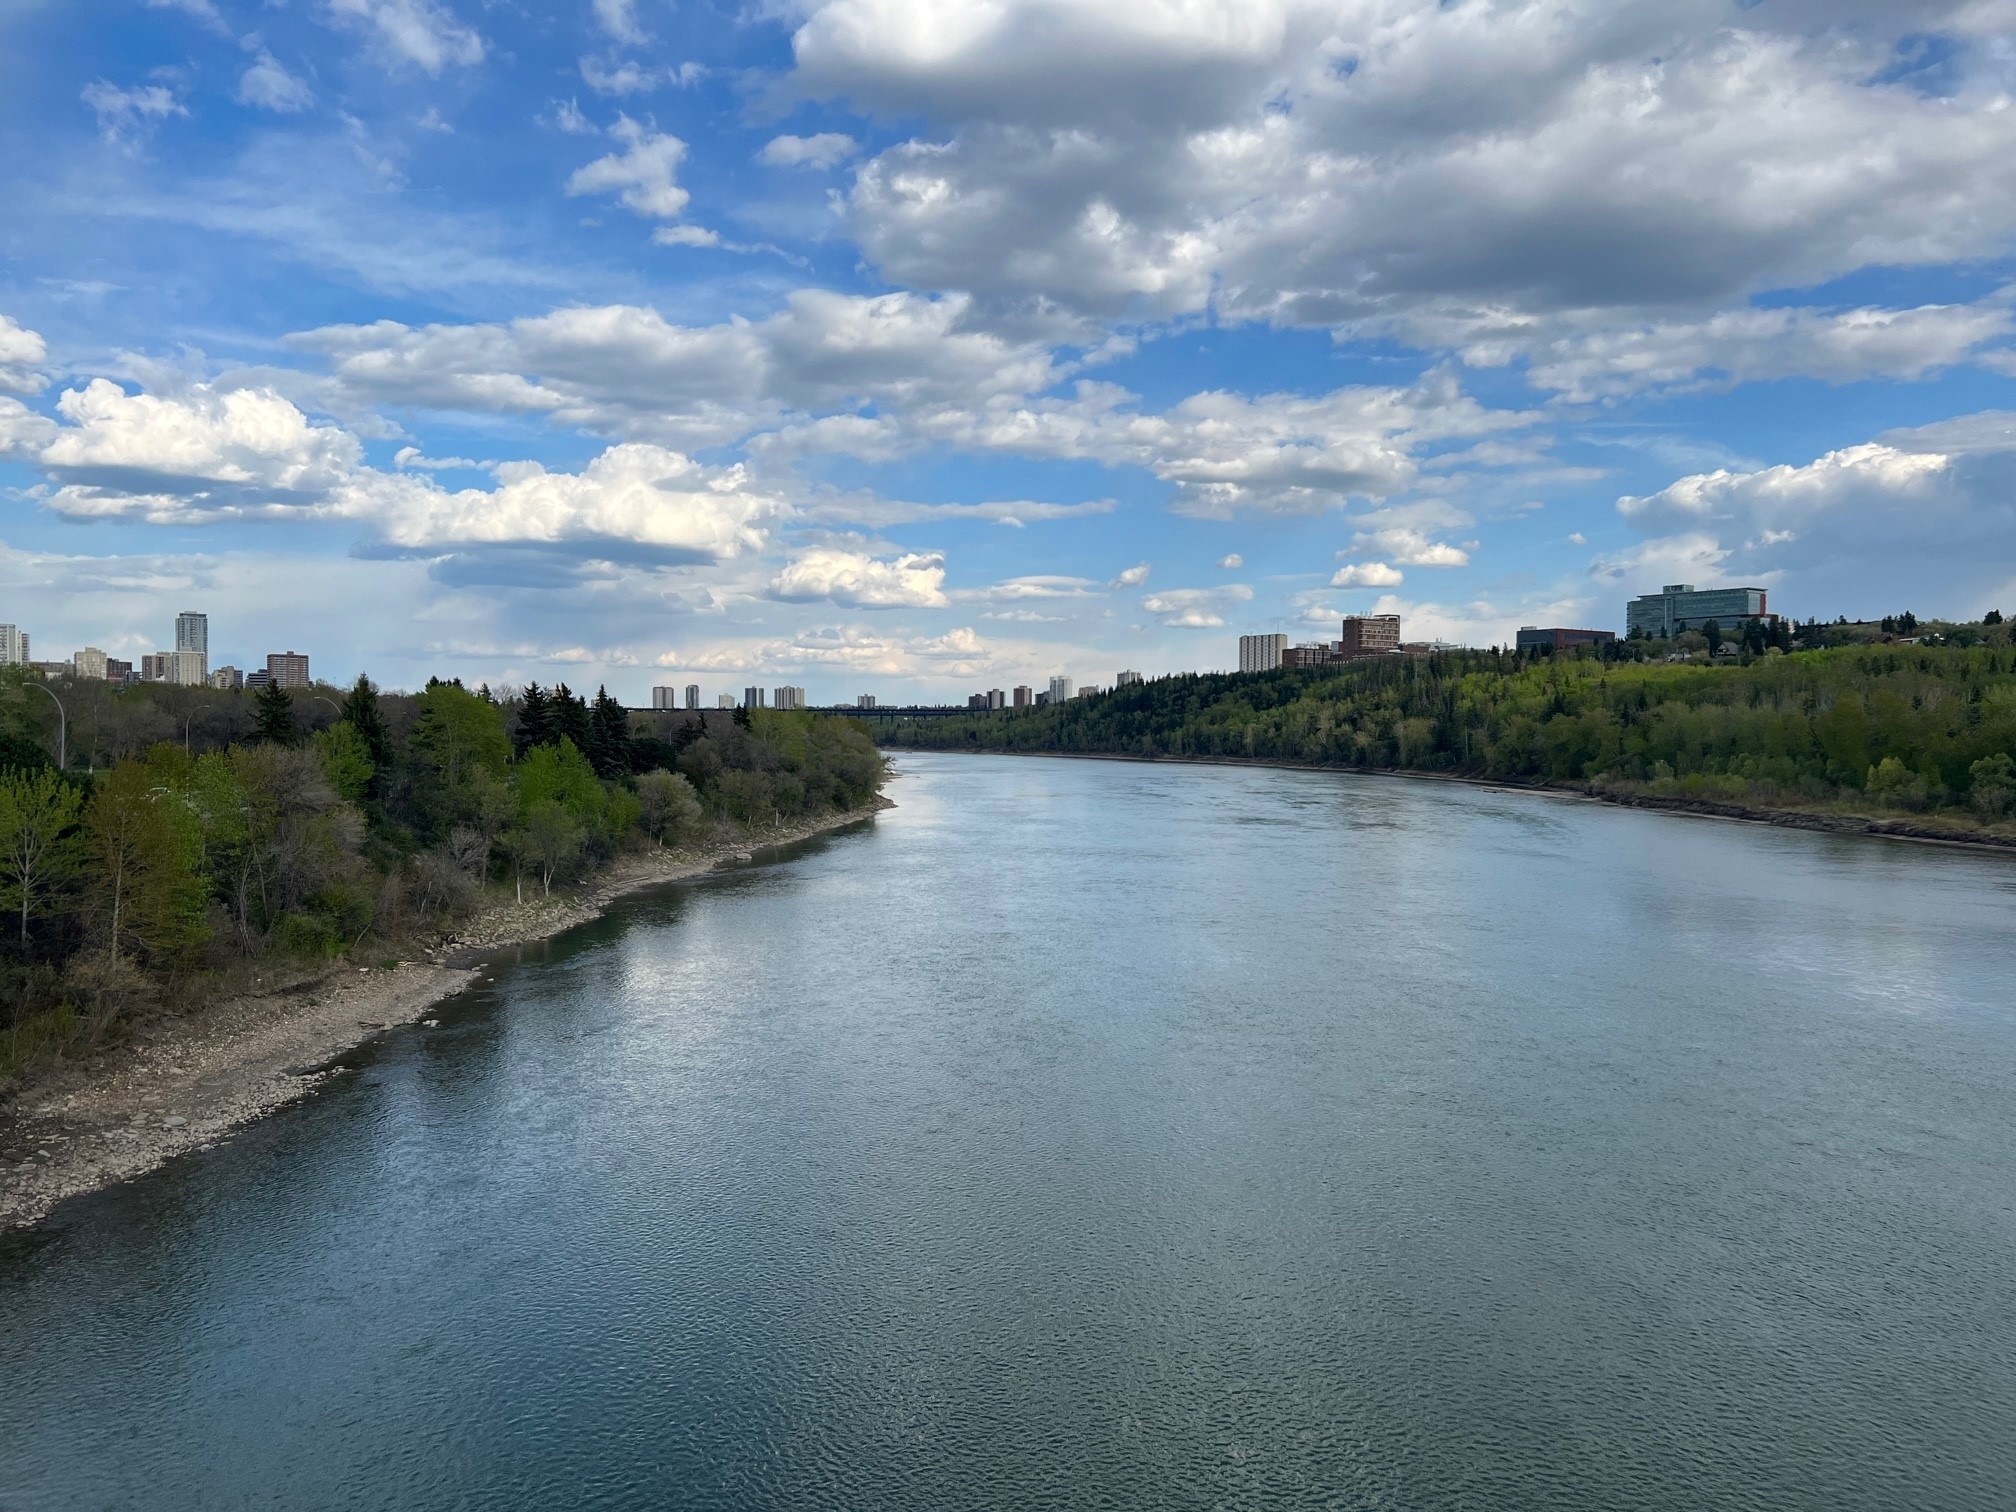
174 1122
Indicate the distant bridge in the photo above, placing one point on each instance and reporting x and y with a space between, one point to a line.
880 714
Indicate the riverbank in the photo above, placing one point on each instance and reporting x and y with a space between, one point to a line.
186 1083
1821 821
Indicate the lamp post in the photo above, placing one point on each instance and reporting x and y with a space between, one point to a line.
62 726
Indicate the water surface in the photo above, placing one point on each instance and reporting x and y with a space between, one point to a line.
1099 1135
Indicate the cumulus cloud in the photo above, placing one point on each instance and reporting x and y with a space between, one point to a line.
913 581
420 32
643 176
22 352
268 85
127 115
626 76
1407 546
625 370
1232 561
825 150
1133 577
1326 161
1366 575
1196 608
207 455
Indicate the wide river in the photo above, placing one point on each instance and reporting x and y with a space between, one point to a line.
1084 1134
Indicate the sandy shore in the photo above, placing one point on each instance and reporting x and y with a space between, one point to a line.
189 1082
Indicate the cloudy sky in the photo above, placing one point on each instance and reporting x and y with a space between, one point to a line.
920 346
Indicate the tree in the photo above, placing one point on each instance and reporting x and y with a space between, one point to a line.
570 719
1712 633
535 719
361 713
145 847
273 708
39 841
609 744
668 805
346 760
550 840
1993 790
1992 617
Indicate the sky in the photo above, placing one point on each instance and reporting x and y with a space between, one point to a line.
918 347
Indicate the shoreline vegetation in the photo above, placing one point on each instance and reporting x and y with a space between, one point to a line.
1909 741
225 866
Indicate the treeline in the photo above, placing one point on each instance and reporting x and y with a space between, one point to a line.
1907 729
284 829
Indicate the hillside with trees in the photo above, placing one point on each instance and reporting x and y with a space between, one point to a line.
198 836
1924 733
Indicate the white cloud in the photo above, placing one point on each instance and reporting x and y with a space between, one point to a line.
1366 575
420 32
1196 608
825 150
22 431
200 10
566 116
1232 561
643 175
619 19
1041 586
1747 346
1410 548
914 581
22 352
1133 577
208 455
686 236
126 115
1786 496
269 86
1337 160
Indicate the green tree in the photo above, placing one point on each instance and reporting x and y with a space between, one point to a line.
535 719
347 760
1992 793
561 774
362 713
668 806
273 709
609 747
550 840
39 841
145 848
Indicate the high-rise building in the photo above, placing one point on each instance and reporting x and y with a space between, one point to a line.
724 701
1024 696
664 698
752 698
192 633
1261 653
257 678
1369 635
288 668
13 646
90 662
1127 679
692 695
865 701
788 697
1680 606
118 671
996 699
229 679
1060 689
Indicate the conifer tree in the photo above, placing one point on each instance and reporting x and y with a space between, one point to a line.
362 714
609 737
535 718
273 709
570 719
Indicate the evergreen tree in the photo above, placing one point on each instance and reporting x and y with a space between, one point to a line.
609 737
362 714
570 719
535 718
273 711
742 716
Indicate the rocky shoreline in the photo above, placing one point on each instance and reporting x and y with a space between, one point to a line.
189 1082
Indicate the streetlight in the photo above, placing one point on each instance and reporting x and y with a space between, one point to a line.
62 726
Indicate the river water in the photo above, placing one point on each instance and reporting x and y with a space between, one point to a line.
1085 1134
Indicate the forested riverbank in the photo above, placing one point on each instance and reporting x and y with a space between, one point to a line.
274 835
1913 738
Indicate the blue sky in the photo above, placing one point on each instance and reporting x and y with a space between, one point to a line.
921 346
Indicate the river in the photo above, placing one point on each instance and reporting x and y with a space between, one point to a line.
1086 1134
